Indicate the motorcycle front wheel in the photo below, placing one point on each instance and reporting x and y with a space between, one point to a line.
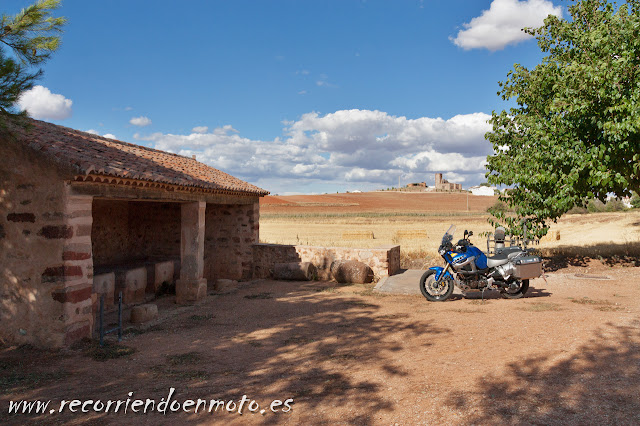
517 291
435 291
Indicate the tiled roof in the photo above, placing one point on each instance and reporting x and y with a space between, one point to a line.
91 154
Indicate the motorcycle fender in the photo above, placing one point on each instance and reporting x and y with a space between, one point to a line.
439 270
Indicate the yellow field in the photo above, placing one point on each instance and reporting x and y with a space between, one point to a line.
594 234
329 231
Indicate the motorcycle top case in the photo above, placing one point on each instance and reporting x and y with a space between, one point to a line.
527 267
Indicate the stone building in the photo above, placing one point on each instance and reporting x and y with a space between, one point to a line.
72 203
445 185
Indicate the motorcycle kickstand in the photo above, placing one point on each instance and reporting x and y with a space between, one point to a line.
483 289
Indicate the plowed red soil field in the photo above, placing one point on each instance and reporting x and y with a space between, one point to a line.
378 202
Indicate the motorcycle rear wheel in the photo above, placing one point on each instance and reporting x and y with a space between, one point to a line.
516 293
433 291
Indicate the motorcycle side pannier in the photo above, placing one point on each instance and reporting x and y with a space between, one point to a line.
528 267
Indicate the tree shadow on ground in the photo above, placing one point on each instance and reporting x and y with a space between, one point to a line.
597 384
275 341
609 254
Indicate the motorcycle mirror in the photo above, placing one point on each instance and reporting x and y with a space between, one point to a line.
470 233
465 234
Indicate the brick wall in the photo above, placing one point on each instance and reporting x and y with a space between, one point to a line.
76 277
230 232
384 261
110 234
127 231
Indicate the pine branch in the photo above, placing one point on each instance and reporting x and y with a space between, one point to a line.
31 36
32 33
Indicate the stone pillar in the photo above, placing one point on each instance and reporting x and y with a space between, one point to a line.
191 286
76 272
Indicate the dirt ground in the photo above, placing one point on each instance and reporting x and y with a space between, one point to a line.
568 353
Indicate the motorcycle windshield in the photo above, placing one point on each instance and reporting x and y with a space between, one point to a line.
448 236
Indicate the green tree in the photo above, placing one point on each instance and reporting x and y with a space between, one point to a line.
575 132
27 40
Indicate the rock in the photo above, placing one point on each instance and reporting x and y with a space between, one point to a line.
144 313
351 271
224 285
295 271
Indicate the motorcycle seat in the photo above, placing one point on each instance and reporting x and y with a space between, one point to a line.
507 250
497 260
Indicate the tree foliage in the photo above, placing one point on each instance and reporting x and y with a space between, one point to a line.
27 40
575 132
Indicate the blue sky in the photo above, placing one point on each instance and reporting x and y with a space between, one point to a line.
293 96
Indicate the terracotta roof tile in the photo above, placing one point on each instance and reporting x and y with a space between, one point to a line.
92 154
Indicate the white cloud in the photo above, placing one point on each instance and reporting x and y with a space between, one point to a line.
40 103
200 129
108 135
323 82
141 121
432 160
332 152
502 24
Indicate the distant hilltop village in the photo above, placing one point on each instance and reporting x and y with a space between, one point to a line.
441 184
445 185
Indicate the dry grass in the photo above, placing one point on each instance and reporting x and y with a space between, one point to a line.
479 302
552 235
599 305
468 311
108 351
595 251
409 234
587 301
184 359
357 235
18 380
541 307
259 296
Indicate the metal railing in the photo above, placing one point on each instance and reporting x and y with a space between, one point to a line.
101 329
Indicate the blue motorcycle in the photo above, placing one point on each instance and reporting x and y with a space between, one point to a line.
507 271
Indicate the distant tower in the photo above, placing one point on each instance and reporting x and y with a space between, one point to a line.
438 179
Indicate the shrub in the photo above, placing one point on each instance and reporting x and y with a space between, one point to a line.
578 210
595 206
614 205
499 206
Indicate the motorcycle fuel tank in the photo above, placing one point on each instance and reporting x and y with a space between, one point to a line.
481 258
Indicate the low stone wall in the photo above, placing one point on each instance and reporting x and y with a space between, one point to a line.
384 260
